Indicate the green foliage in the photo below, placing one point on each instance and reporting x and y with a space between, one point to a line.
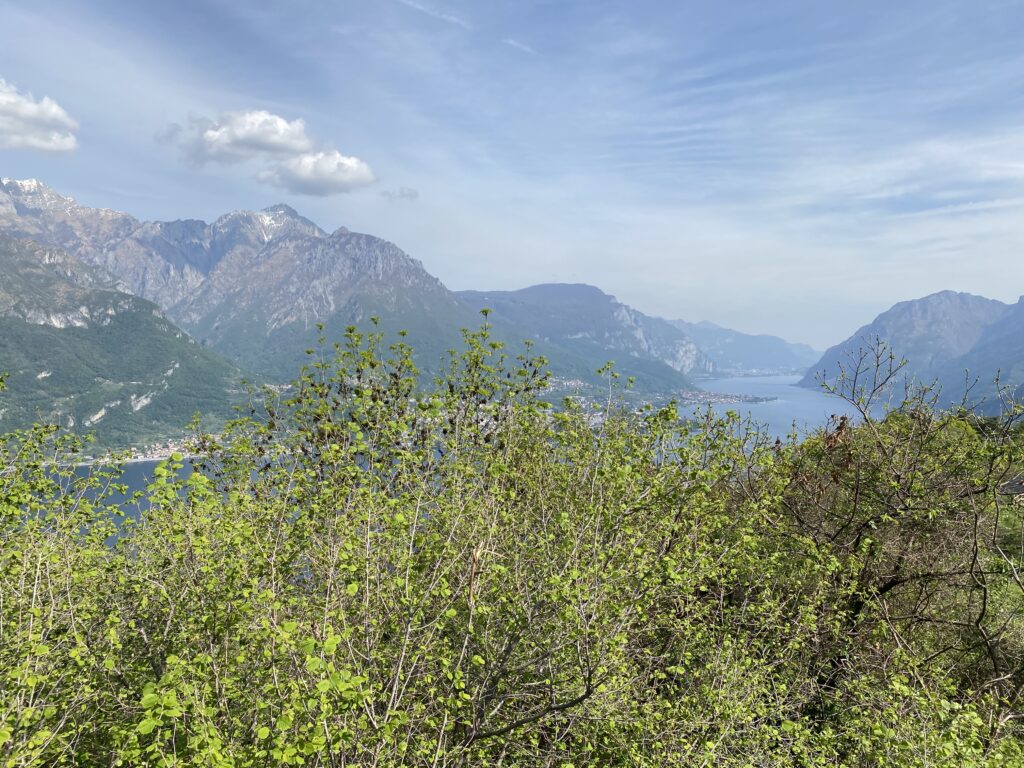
365 572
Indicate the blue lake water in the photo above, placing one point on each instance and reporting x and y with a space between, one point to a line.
136 475
806 408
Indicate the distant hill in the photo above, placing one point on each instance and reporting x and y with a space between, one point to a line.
733 352
82 353
999 349
941 336
583 322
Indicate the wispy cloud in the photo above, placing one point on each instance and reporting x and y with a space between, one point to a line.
979 206
402 193
519 46
747 168
437 13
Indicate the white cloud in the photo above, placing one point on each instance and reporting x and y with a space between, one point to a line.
290 158
237 136
322 173
29 124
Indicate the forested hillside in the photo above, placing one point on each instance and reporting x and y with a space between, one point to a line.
82 353
366 574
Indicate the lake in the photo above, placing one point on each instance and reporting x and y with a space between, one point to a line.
136 475
807 408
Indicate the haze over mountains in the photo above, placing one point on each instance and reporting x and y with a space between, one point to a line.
254 289
733 352
254 286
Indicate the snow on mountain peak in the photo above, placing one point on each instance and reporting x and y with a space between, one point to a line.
35 194
28 185
271 219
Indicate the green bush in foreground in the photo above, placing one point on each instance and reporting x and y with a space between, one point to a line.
369 574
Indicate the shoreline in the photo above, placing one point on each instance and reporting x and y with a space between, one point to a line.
111 461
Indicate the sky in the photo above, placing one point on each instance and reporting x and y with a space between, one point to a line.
781 167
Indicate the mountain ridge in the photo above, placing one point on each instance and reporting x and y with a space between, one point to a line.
257 286
941 336
583 318
741 353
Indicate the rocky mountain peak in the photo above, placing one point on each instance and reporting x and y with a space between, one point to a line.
940 335
267 224
23 185
32 193
283 209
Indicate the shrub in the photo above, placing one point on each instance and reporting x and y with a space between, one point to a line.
365 572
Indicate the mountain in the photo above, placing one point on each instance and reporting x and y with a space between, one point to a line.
733 352
998 351
98 236
940 336
262 305
583 322
81 352
255 286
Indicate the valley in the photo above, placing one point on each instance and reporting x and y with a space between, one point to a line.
452 384
252 291
128 328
